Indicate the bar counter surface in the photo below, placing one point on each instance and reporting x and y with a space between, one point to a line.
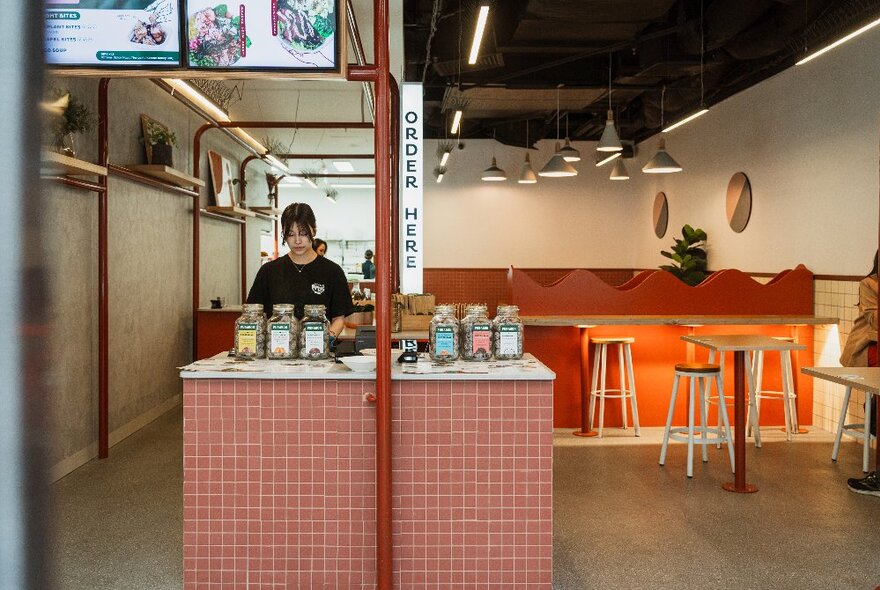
279 475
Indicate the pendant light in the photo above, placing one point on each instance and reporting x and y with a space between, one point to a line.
527 176
569 154
619 172
609 142
557 167
493 173
702 110
662 162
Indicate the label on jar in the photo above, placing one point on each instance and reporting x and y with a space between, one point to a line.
482 338
444 341
508 341
279 339
247 338
314 338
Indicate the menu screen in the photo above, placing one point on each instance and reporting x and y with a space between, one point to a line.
112 33
289 35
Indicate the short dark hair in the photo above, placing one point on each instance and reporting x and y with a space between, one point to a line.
317 243
300 214
368 254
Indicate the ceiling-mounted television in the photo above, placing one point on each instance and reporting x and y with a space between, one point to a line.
282 36
113 33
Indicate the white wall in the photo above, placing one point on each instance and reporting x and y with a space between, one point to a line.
807 139
558 222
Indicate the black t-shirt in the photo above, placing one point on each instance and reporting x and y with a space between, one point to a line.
321 281
369 269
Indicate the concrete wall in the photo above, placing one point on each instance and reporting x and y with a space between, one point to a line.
150 273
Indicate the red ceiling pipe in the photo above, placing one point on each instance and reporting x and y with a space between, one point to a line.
395 186
83 184
382 141
150 181
241 173
103 281
293 125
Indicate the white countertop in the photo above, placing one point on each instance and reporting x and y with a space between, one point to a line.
223 367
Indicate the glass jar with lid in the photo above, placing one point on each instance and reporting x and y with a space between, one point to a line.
314 334
443 334
508 333
282 332
250 332
476 334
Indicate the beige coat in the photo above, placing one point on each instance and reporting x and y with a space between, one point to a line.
864 330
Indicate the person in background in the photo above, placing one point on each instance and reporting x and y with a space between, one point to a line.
367 266
320 246
302 277
860 350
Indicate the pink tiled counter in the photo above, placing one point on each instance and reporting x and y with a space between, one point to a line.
279 481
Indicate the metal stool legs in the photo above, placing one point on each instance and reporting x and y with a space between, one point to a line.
626 390
842 427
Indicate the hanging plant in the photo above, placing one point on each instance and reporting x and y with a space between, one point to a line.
75 118
689 256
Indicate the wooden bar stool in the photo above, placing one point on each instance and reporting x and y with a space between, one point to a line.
787 396
599 390
697 372
853 429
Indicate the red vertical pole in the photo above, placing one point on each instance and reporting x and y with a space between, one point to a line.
103 281
197 152
395 186
382 142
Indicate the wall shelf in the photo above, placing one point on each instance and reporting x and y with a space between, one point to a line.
168 174
53 163
221 217
267 211
233 211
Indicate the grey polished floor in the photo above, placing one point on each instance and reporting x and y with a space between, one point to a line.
620 520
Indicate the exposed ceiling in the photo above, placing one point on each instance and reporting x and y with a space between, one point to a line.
654 50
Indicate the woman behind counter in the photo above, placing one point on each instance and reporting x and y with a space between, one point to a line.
302 277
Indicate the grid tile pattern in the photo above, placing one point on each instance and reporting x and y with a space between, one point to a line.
834 299
279 484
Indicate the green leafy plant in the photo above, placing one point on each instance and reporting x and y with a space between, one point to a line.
688 256
159 135
75 117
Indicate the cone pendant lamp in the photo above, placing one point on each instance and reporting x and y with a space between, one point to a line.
557 167
662 162
619 172
527 176
609 142
493 173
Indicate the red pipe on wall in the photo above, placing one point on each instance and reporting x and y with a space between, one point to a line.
382 141
395 179
103 281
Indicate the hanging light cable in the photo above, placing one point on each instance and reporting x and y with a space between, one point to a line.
527 176
609 142
557 166
662 162
702 110
569 154
493 173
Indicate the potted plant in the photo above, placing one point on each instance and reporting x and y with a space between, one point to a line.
75 118
161 141
689 256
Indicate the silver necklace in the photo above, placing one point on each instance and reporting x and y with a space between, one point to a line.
299 268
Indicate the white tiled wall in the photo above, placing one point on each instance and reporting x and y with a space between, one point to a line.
834 299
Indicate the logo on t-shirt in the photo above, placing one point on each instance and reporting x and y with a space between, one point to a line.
317 288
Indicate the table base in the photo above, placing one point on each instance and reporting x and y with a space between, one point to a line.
746 489
588 433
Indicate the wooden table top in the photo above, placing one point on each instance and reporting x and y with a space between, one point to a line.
743 342
680 320
861 378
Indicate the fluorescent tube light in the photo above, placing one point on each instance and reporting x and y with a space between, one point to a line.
456 121
354 185
610 157
198 98
813 56
687 119
482 17
277 163
440 178
444 159
343 165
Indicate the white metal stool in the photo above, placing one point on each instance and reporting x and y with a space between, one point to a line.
853 429
787 396
751 416
598 390
697 372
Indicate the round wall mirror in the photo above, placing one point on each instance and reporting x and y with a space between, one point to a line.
739 202
661 215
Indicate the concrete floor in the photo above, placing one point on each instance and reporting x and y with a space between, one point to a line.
620 520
